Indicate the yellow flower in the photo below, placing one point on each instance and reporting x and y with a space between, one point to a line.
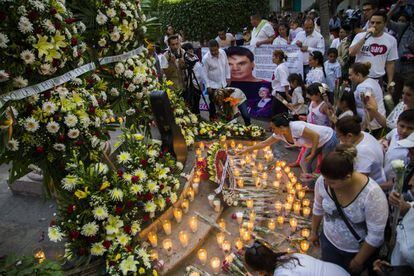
117 257
104 185
53 54
82 194
154 272
169 83
59 41
141 270
43 46
127 31
120 120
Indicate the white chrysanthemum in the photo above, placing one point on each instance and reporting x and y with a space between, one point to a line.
135 228
114 92
152 153
71 120
90 229
59 147
173 198
100 212
136 189
73 133
116 194
102 42
150 207
119 68
4 76
4 39
97 249
27 56
49 107
124 157
115 36
49 26
397 164
128 265
128 74
70 182
52 127
85 122
141 174
101 168
110 13
38 5
13 144
131 87
47 69
20 82
123 239
130 112
31 124
101 18
152 186
54 234
111 229
22 10
25 26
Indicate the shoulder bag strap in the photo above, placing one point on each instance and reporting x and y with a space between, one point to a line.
344 218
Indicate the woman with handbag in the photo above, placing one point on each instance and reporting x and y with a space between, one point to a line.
354 210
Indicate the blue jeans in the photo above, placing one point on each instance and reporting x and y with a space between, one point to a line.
334 255
244 113
329 146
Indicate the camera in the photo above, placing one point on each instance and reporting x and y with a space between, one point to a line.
176 54
190 60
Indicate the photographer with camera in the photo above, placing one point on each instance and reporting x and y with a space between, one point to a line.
173 63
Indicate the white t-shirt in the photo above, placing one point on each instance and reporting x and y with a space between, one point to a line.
227 42
280 78
314 41
367 213
297 128
309 266
376 50
315 75
297 98
261 34
333 72
294 32
394 152
280 41
369 86
370 158
335 43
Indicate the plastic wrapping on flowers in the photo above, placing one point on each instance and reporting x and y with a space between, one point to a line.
38 39
50 127
131 82
112 26
214 148
212 130
105 208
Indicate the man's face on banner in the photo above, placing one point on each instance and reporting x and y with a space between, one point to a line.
241 67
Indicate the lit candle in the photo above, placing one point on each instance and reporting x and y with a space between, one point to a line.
201 145
288 207
199 173
254 173
217 205
292 191
304 246
226 246
153 254
193 224
291 175
198 152
246 236
276 184
289 186
278 168
298 187
190 194
306 211
278 176
289 198
293 224
185 205
215 264
166 225
200 159
250 225
40 256
239 146
257 182
306 202
239 217
153 239
202 256
238 243
305 233
278 206
240 182
280 221
271 224
249 203
236 173
264 176
247 159
252 216
222 224
242 230
296 208
260 167
294 180
183 237
196 179
282 163
301 194
220 238
195 186
178 214
287 169
167 244
211 199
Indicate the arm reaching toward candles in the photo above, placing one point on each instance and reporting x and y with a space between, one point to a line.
268 142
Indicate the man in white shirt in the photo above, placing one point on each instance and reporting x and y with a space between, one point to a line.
225 39
376 47
263 32
217 70
308 41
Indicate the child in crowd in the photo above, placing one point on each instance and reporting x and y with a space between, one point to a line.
294 29
333 72
298 96
280 84
405 126
346 107
317 73
318 109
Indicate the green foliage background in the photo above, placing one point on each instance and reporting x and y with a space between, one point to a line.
201 19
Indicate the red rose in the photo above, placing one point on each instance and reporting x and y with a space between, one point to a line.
58 26
144 162
120 173
55 62
70 20
53 11
148 196
107 2
118 210
74 41
161 187
128 248
129 204
79 143
106 244
74 234
168 200
126 84
122 14
233 216
134 179
70 208
127 229
40 149
33 15
47 95
91 109
61 138
146 217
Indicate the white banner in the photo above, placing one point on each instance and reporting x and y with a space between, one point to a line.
121 57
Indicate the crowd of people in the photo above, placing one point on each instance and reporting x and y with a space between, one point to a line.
351 114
